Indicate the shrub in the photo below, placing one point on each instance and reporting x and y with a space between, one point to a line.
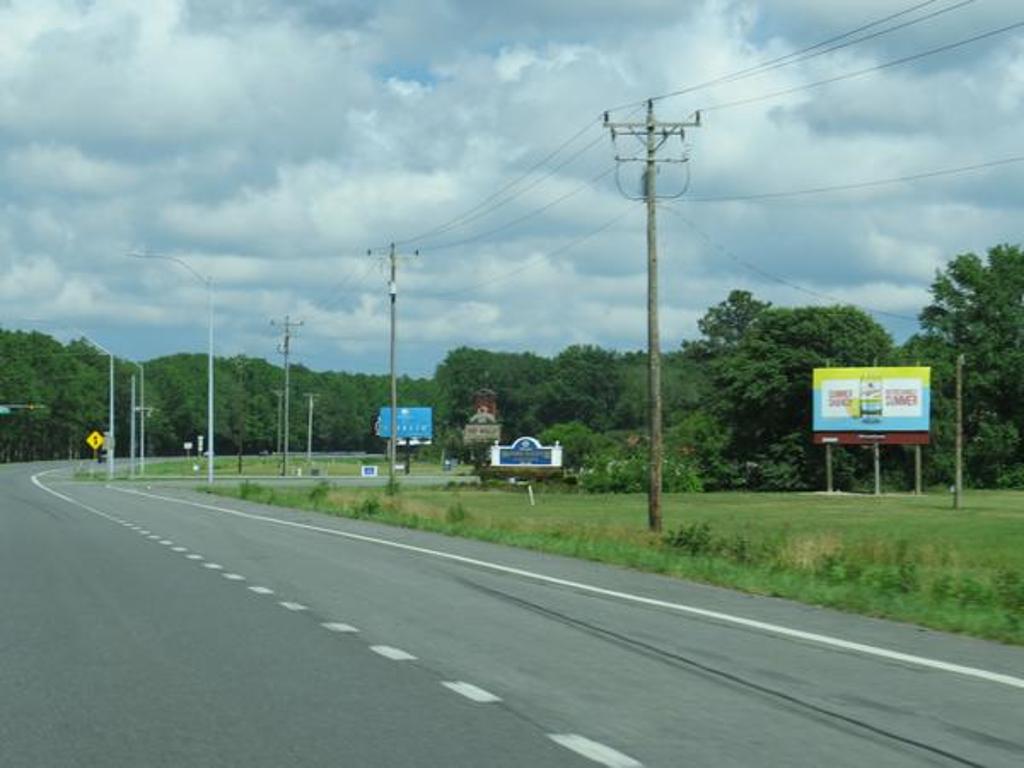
318 493
456 513
616 473
694 539
368 507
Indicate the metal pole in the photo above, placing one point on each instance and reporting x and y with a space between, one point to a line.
959 481
653 332
392 437
287 403
209 390
110 428
876 449
131 450
142 419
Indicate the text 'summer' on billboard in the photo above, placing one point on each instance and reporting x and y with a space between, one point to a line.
872 400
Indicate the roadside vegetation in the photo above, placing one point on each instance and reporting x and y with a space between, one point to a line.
906 558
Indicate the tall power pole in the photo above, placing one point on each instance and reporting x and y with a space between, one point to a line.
311 397
280 407
287 325
655 135
393 258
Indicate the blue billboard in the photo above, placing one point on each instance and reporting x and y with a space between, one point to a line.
414 424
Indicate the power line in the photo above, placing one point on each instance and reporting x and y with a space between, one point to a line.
460 219
525 217
807 52
860 184
536 257
867 70
776 278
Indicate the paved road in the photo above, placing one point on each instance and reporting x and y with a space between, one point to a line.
117 648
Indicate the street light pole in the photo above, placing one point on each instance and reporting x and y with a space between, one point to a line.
110 426
131 431
208 282
209 387
141 411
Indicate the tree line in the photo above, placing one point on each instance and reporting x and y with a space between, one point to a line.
737 399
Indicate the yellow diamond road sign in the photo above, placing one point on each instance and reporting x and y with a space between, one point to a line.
95 440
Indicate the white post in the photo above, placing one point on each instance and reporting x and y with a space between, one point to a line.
142 444
110 427
131 431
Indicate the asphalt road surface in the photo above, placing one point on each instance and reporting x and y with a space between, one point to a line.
154 626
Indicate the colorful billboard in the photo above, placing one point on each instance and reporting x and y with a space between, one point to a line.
872 402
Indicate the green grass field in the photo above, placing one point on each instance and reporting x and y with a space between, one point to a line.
901 557
252 466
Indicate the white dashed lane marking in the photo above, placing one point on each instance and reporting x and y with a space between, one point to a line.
395 654
471 692
213 566
194 556
261 590
292 606
337 626
233 576
594 750
179 549
166 542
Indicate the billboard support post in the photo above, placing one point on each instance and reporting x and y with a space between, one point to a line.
917 470
828 467
877 450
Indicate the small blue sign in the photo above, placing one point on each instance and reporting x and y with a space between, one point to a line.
415 424
368 471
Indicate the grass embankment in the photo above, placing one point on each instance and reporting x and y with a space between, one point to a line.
905 558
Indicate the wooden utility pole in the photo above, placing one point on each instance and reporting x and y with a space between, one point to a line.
311 398
655 135
285 349
393 258
958 486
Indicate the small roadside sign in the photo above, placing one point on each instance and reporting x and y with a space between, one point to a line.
94 440
368 471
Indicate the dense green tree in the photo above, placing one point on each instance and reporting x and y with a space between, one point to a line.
764 386
977 310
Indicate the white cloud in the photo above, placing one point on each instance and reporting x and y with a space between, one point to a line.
270 144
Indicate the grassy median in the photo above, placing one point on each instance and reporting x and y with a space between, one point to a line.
906 558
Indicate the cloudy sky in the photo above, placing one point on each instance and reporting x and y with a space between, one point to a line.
270 143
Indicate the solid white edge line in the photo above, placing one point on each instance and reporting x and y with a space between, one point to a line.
337 626
471 691
594 750
774 629
395 654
